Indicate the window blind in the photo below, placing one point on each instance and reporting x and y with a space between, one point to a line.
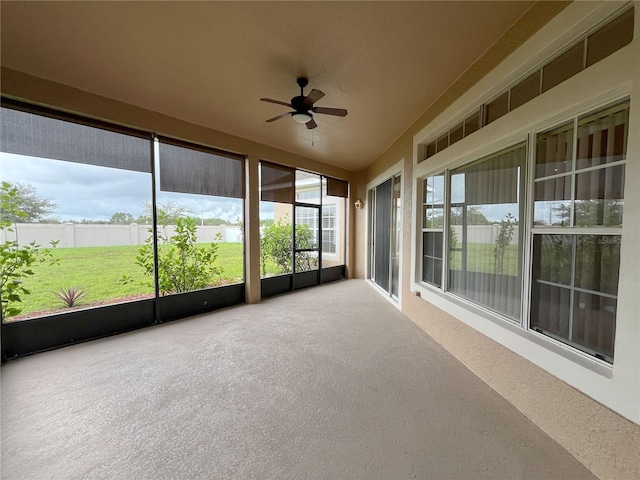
186 170
25 133
337 188
277 183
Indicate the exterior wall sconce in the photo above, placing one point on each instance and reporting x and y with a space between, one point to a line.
359 204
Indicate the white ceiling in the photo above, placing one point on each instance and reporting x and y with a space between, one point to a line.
209 63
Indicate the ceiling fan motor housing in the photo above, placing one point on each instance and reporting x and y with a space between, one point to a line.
299 106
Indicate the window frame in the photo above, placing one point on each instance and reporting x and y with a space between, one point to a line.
573 230
522 328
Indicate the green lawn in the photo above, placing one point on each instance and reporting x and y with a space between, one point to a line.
98 270
480 258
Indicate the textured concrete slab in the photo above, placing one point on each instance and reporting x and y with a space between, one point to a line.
328 382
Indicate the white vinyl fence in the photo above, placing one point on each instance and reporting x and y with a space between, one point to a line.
484 233
88 235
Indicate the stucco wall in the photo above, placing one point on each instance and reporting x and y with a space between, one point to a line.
605 441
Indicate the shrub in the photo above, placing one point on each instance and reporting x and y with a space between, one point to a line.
276 242
183 266
16 262
70 295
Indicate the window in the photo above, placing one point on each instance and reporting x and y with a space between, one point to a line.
589 50
496 109
329 229
334 207
432 229
577 196
485 221
579 193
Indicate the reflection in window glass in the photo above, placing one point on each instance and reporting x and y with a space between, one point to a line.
602 138
472 124
456 134
431 149
485 232
563 67
457 188
589 321
553 202
600 197
88 191
610 38
526 90
496 109
554 151
443 142
597 263
575 276
432 228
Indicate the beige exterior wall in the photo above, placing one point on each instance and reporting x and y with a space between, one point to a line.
605 441
592 412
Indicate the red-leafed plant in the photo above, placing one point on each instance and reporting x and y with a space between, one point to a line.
70 296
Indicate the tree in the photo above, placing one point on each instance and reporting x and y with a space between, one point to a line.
121 218
503 240
588 213
28 207
183 265
16 262
474 216
168 213
276 243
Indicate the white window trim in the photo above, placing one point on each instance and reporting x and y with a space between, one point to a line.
609 81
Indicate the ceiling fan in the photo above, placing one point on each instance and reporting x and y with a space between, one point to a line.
303 106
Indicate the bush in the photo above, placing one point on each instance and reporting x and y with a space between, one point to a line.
16 262
183 266
276 243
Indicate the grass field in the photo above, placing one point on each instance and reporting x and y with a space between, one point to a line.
480 258
98 270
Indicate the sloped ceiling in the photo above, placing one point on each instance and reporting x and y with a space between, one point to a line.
209 63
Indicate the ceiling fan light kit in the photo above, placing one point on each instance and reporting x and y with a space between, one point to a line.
301 117
303 106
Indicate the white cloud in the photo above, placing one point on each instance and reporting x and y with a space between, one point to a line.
91 192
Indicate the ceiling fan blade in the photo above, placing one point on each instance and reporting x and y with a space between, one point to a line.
313 97
338 112
270 100
279 117
311 124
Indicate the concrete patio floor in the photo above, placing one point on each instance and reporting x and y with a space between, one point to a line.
327 382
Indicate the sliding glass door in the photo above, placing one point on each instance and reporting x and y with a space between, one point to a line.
384 235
